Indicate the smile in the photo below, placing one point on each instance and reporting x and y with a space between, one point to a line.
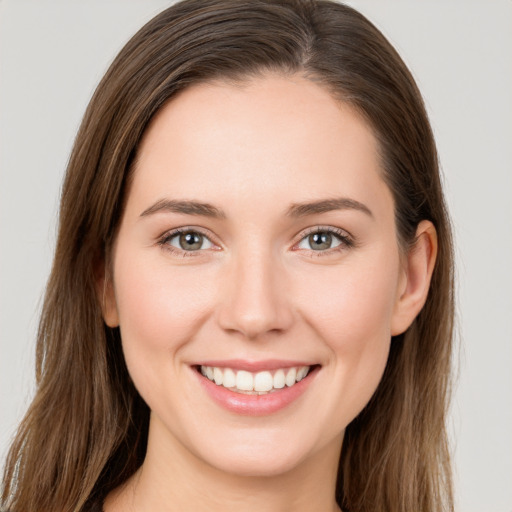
255 383
255 388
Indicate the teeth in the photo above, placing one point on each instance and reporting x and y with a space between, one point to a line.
259 383
218 376
244 381
291 377
279 379
263 381
301 373
229 380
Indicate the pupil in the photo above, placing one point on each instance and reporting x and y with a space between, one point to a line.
320 240
191 241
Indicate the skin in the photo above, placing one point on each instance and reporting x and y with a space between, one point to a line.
257 291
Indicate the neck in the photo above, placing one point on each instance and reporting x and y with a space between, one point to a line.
172 478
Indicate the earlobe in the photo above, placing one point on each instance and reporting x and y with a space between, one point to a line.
106 296
418 269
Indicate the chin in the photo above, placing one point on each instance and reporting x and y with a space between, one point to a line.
250 463
259 452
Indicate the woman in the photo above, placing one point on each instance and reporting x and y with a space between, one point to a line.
251 298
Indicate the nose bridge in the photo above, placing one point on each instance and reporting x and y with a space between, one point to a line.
255 301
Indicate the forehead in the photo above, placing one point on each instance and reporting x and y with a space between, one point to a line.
281 137
257 107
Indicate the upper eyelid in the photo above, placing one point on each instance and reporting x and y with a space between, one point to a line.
319 228
170 233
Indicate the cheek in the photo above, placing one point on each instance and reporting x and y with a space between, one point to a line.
351 310
351 307
160 309
159 302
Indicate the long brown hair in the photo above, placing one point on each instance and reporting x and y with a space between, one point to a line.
86 429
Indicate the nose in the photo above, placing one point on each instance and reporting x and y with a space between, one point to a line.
254 298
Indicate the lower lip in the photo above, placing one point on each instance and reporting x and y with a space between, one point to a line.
256 405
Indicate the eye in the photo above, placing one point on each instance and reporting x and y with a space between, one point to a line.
323 239
188 240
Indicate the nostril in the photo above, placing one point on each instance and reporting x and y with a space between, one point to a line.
255 324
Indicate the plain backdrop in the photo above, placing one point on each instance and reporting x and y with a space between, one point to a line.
53 53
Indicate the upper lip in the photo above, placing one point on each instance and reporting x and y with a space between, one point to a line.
254 366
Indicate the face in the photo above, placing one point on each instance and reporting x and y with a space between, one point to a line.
258 247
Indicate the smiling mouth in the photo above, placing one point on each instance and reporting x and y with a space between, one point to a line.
255 383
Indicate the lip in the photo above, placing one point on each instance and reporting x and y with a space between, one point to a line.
254 405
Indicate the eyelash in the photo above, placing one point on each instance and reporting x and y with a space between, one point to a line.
165 238
345 239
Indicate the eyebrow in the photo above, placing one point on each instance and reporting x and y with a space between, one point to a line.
188 207
185 207
327 205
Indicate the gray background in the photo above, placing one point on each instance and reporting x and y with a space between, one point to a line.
52 54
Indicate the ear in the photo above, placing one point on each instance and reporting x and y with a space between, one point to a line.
416 275
106 295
